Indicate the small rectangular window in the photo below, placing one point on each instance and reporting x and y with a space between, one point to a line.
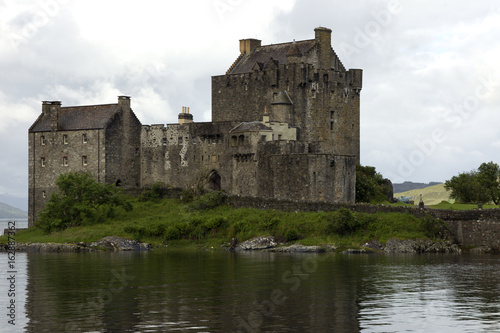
84 138
279 136
65 139
43 162
164 141
332 113
84 160
42 140
331 126
180 140
65 161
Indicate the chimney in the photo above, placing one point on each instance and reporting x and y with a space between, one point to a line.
248 45
185 117
323 38
124 102
53 109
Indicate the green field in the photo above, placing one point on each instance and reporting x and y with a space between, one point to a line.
431 195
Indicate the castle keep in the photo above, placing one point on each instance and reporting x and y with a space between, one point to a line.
285 125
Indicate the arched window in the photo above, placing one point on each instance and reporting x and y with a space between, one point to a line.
241 139
234 141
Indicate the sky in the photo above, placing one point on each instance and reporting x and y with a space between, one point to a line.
431 86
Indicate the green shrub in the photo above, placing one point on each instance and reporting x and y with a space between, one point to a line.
291 235
269 224
344 222
208 201
171 233
80 200
433 227
155 193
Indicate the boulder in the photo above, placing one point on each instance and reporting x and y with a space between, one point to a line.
115 243
420 246
257 243
297 247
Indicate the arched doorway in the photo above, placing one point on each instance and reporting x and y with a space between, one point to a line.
214 181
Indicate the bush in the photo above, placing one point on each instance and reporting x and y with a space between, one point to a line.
208 201
433 227
80 200
344 222
291 235
155 193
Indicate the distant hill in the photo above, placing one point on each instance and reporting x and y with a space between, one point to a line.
8 212
431 195
408 186
18 202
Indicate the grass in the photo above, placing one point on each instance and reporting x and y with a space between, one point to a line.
169 221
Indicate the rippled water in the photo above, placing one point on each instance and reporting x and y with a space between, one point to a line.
212 291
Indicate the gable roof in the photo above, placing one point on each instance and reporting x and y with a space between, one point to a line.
276 52
251 126
78 118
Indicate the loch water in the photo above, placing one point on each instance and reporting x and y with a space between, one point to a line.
218 291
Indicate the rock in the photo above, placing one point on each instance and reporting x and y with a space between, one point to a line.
114 243
358 251
257 243
297 247
484 250
420 246
374 245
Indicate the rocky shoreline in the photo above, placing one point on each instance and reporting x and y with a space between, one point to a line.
110 244
262 243
270 244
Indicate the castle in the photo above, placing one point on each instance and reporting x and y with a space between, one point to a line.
285 125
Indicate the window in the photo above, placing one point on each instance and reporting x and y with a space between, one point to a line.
65 161
43 162
84 138
331 125
279 136
84 160
44 194
65 139
234 141
164 141
42 140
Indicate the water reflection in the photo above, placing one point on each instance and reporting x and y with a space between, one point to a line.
201 291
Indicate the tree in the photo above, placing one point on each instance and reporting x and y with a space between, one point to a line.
489 174
476 186
79 200
371 185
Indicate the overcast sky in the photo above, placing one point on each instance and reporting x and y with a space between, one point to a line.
430 99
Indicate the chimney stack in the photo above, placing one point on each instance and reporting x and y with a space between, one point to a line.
53 110
323 38
248 45
185 117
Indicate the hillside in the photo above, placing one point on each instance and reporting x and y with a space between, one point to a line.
408 186
431 195
7 212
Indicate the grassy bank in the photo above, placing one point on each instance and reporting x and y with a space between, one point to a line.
204 223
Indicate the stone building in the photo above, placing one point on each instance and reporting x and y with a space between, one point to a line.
285 125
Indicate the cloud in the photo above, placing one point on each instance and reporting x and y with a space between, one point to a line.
423 63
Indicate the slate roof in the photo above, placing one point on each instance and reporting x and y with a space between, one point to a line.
251 126
78 118
277 52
